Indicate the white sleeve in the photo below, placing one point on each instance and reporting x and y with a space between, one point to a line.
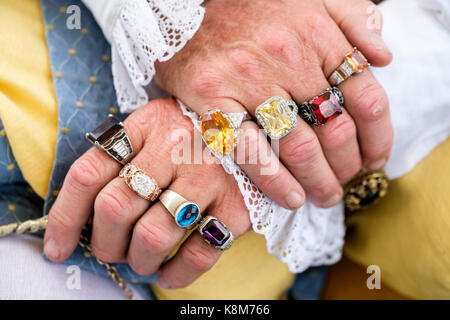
142 32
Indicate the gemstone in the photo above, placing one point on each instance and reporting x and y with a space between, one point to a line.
142 184
326 107
276 118
187 215
105 131
215 232
357 60
217 132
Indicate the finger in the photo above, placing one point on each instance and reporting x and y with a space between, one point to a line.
367 103
73 206
156 234
361 21
300 150
195 256
256 158
117 207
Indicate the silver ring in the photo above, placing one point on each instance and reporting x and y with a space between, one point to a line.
140 182
215 233
277 116
186 213
111 137
323 107
354 62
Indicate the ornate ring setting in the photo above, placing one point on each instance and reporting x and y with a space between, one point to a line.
220 130
111 137
322 108
354 62
277 117
186 213
140 182
215 233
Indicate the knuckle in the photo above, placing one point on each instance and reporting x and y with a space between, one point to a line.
372 102
61 221
342 133
84 173
199 258
281 44
113 206
270 182
316 22
349 171
245 63
105 255
302 150
207 81
153 237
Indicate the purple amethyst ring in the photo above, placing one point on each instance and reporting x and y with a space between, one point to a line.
215 233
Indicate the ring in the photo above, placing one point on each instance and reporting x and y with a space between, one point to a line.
354 62
277 117
111 137
322 108
186 213
215 233
140 182
220 130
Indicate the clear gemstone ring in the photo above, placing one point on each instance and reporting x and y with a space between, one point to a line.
140 182
186 213
277 117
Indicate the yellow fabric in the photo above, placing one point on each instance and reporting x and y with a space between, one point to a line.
407 234
28 109
28 106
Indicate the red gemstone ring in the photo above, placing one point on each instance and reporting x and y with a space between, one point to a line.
354 62
322 108
215 233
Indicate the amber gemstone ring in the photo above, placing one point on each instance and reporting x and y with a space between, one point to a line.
277 117
220 130
322 108
354 62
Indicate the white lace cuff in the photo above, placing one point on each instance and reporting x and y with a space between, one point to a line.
142 32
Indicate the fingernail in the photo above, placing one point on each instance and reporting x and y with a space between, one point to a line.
51 249
378 43
376 164
332 201
294 200
163 283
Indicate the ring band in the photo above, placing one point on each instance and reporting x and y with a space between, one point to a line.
215 233
220 130
322 108
186 213
111 137
140 182
277 117
354 62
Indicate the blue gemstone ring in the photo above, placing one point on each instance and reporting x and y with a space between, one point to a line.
186 213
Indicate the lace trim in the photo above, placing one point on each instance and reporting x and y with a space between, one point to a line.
147 31
307 237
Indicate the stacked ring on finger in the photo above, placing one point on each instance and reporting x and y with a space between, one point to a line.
220 130
140 182
354 62
186 213
215 233
110 136
277 117
322 108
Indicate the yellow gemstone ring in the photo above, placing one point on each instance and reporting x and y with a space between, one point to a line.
220 130
277 116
